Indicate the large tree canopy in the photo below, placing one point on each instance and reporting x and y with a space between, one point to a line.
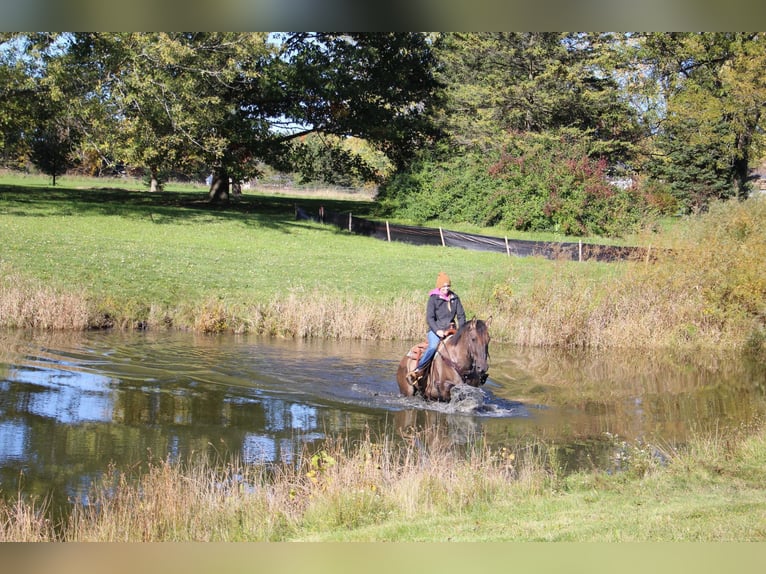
711 92
679 113
500 84
227 101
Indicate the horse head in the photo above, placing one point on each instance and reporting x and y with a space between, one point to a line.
472 343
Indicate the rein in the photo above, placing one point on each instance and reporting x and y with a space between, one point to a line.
447 358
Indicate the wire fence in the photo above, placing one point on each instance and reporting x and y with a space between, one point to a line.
575 251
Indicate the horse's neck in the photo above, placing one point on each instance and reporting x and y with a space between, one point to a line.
454 354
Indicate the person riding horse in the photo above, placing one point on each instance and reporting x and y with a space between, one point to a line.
444 314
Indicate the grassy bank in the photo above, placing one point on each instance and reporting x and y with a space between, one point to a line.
421 490
78 258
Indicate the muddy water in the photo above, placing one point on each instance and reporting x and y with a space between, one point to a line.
72 404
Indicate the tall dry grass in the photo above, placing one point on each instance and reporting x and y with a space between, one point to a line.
706 286
303 314
647 307
408 489
29 304
342 485
25 521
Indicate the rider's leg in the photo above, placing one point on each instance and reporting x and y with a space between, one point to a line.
428 354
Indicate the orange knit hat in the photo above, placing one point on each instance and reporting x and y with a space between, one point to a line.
443 279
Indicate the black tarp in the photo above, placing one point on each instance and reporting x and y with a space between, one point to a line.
435 236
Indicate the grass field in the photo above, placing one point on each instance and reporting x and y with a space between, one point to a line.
84 256
130 252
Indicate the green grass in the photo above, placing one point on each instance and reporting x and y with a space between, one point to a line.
171 247
127 258
174 249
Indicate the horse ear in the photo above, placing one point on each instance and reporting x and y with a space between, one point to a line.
488 321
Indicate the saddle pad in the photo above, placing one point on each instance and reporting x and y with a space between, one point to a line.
414 354
417 351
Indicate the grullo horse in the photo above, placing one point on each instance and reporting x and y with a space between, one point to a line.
461 358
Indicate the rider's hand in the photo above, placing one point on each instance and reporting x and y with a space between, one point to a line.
440 333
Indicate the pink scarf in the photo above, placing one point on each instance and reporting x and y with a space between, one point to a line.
439 293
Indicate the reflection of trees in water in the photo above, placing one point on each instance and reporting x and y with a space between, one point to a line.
634 393
430 431
626 371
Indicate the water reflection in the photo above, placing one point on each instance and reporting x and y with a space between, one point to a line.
71 404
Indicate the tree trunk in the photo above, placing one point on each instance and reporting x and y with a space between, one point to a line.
219 187
154 184
742 160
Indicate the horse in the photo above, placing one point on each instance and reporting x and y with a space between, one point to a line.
461 358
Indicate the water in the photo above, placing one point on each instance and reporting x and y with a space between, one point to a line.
72 404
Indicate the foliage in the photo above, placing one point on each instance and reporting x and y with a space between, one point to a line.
450 190
377 86
722 256
533 82
546 182
168 101
230 102
51 150
536 122
680 113
710 92
17 94
553 182
328 159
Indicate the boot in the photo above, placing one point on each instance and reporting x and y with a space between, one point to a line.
414 377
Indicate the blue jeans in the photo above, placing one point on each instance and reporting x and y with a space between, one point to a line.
428 354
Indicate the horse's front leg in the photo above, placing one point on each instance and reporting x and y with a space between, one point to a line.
437 389
445 391
444 384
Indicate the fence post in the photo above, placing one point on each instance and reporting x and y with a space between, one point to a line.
349 221
507 247
441 234
579 250
388 232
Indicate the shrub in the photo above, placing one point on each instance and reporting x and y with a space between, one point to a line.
535 182
551 183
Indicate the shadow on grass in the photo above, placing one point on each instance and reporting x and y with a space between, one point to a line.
167 206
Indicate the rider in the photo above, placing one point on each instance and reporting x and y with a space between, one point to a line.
444 311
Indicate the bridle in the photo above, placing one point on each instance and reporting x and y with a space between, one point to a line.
471 373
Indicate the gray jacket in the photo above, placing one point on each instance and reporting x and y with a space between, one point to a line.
441 312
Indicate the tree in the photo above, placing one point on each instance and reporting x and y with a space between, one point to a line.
164 101
232 100
51 148
712 94
18 94
376 86
335 161
536 122
500 84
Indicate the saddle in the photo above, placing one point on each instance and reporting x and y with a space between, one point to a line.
416 351
414 354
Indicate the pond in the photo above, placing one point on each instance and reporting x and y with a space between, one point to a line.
72 404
